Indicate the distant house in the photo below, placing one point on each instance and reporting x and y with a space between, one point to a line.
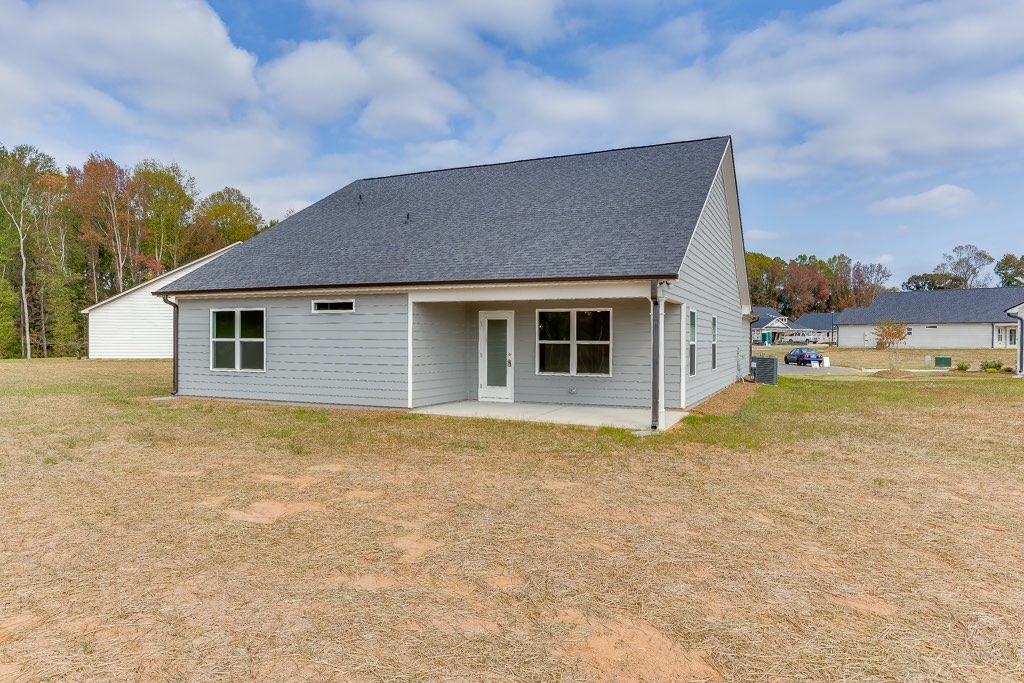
770 327
613 278
942 319
135 324
820 326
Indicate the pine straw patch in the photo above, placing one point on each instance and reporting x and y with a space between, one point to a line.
880 538
727 402
893 374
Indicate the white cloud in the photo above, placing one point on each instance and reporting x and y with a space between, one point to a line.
757 235
946 201
884 259
317 81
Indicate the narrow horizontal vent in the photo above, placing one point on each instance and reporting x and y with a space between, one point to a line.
334 306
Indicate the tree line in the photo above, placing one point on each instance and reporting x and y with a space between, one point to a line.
72 237
808 284
811 284
966 267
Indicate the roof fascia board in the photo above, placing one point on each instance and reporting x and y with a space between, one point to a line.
163 276
508 291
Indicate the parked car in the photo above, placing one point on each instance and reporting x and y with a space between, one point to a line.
804 339
802 356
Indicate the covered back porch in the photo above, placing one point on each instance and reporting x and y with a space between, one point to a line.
588 353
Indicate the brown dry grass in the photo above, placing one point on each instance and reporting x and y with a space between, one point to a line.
828 530
907 359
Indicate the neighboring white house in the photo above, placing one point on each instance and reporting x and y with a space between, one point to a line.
942 319
770 326
136 324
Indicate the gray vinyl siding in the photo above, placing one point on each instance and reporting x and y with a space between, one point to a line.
941 336
350 358
629 384
673 356
439 353
708 285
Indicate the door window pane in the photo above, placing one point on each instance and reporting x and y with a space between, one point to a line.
251 355
224 325
593 359
691 329
593 326
251 324
497 350
553 358
224 355
553 325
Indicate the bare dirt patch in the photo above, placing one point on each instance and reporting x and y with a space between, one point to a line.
415 547
270 511
504 582
727 402
365 582
624 650
298 482
893 374
866 604
364 494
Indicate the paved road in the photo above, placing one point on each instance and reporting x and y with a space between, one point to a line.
808 371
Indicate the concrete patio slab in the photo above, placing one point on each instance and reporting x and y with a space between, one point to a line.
591 416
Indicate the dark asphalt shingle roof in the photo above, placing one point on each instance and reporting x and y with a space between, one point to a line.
987 305
814 321
765 314
612 214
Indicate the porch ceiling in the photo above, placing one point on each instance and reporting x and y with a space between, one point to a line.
591 416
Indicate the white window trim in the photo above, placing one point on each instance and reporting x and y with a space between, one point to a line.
312 306
572 342
714 342
691 344
238 340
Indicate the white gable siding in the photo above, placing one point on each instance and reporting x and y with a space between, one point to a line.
708 285
137 324
947 336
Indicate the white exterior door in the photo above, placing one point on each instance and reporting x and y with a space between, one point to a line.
496 356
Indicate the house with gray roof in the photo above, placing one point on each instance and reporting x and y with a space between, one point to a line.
820 326
768 325
940 319
612 278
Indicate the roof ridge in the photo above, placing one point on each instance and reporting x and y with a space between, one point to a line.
543 158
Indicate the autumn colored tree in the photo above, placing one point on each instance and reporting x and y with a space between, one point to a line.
102 193
805 289
767 276
167 196
867 281
1010 270
967 262
231 215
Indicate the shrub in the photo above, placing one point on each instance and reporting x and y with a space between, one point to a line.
991 365
963 367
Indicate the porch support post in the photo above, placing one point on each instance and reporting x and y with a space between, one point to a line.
1020 345
657 356
408 385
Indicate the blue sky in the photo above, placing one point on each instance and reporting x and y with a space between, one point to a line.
887 130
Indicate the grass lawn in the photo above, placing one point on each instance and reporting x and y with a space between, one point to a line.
867 530
907 359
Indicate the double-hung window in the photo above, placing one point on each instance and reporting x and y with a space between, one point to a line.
238 339
691 341
574 342
714 342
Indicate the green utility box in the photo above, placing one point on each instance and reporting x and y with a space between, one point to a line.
943 361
